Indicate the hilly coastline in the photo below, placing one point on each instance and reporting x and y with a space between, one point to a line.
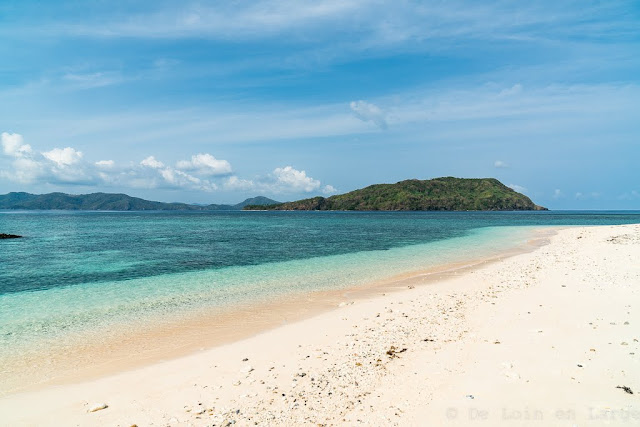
438 194
110 202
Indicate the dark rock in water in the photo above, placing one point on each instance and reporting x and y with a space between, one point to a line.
9 236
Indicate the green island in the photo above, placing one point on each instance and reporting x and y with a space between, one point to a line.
438 194
109 202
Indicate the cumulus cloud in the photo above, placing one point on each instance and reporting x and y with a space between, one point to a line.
285 179
293 180
152 163
63 156
155 174
59 165
558 194
13 145
68 166
205 164
369 112
500 164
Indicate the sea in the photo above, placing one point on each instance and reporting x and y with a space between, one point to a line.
76 272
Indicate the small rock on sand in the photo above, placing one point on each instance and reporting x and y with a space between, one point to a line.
98 407
246 370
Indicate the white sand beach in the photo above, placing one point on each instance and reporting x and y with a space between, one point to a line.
544 338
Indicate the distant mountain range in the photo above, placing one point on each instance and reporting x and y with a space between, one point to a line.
439 194
110 202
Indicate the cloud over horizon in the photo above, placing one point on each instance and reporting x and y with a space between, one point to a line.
203 172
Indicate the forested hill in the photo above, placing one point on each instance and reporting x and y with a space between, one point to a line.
439 194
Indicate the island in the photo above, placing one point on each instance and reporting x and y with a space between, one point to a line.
438 194
110 202
9 236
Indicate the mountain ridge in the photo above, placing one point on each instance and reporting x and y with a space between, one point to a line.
110 202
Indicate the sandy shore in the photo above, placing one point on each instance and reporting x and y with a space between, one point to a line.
542 338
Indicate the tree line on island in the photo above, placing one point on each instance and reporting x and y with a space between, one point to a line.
443 194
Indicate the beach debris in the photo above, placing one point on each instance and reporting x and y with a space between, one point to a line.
237 383
428 340
245 359
98 407
497 342
579 365
247 370
393 351
626 389
470 396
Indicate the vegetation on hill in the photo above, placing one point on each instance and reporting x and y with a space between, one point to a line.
108 202
439 194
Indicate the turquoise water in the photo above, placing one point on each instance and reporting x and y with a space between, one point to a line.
75 272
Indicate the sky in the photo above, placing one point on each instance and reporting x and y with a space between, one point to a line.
214 102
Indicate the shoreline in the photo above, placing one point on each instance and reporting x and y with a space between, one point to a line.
528 334
200 332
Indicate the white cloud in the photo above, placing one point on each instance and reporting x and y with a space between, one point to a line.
13 145
289 179
63 156
68 166
518 188
282 180
369 112
558 194
25 170
105 163
152 163
329 189
205 164
500 164
234 183
155 174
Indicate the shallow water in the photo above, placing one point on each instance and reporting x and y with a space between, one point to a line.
75 273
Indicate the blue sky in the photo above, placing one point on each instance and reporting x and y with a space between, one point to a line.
213 102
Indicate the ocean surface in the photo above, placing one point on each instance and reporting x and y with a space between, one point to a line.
77 272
